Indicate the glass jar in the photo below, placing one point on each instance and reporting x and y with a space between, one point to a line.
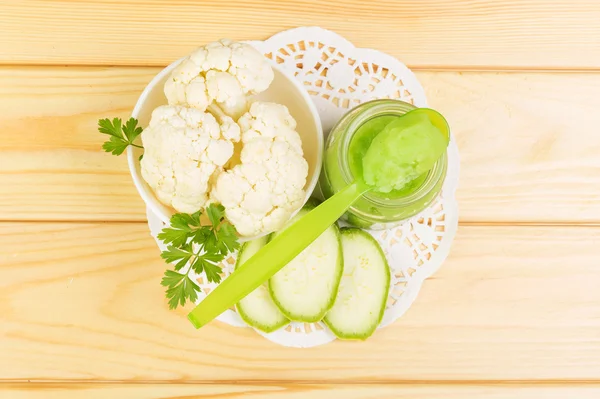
375 210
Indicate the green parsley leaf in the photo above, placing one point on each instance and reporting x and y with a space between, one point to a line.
223 236
131 129
222 239
177 237
215 213
180 255
208 263
171 278
200 247
115 146
201 235
121 136
227 238
180 289
213 274
114 129
183 227
185 220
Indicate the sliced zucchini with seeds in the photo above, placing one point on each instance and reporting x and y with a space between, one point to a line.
258 309
305 289
364 288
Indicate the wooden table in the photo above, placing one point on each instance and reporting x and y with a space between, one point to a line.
513 313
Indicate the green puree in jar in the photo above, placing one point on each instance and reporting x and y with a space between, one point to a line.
394 154
396 148
361 141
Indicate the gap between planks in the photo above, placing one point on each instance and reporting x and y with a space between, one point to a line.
415 68
499 383
574 224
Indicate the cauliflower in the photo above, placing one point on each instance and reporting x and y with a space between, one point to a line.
184 148
194 152
272 121
262 192
222 72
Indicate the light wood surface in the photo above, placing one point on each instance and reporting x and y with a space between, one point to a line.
458 34
543 130
293 391
509 304
513 313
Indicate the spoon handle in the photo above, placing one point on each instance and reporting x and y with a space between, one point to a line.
274 256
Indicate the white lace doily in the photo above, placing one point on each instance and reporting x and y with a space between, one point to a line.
339 76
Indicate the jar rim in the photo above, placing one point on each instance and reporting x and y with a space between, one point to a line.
358 116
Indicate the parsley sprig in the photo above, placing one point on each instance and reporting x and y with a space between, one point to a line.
191 246
195 247
121 136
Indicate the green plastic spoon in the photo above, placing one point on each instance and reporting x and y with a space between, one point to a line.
286 246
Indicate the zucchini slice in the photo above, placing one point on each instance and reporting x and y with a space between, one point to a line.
363 291
305 289
258 309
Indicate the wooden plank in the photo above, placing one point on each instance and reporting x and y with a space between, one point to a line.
294 391
83 302
51 163
426 34
529 144
67 185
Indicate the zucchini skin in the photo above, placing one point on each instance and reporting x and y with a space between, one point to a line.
311 204
347 231
240 309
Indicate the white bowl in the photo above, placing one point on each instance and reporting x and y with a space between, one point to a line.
285 90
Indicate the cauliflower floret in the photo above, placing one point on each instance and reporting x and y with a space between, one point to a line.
183 149
270 120
250 68
226 90
215 55
186 86
224 72
261 193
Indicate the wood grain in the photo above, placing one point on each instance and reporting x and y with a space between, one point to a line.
84 303
513 313
528 143
424 34
294 391
51 163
